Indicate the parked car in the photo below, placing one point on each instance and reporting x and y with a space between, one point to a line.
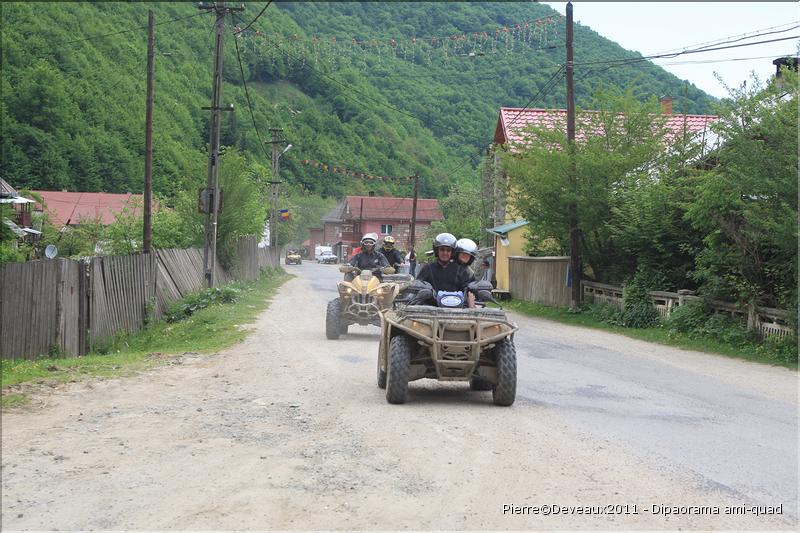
327 257
293 258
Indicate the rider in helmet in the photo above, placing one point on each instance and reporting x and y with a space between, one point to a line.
390 252
369 258
444 274
465 251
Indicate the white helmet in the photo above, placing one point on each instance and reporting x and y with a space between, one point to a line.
369 239
466 246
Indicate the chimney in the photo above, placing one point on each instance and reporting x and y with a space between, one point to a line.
666 105
788 62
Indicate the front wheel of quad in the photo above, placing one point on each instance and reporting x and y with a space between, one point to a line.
505 390
381 373
332 326
397 369
343 327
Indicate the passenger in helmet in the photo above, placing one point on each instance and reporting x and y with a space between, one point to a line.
369 258
444 274
465 251
390 252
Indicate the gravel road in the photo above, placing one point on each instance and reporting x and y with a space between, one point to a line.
289 431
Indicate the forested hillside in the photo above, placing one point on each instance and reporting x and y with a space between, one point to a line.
387 89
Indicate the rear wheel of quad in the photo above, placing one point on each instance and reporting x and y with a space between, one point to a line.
480 384
505 390
397 369
332 326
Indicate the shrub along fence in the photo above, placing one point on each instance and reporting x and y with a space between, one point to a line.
767 321
545 280
66 307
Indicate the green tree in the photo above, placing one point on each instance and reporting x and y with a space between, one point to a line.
461 210
618 148
746 205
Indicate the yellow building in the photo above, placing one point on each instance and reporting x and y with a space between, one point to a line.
509 240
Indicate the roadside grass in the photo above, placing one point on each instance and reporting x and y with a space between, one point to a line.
765 352
206 330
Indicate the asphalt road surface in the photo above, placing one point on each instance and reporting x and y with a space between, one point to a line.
288 430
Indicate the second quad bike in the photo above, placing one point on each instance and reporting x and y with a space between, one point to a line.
361 297
293 258
448 344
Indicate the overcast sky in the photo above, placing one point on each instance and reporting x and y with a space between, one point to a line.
654 27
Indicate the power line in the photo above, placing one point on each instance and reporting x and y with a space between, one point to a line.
704 61
247 95
125 31
624 61
738 37
555 78
255 19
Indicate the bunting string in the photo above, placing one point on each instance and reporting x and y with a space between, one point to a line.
349 172
354 51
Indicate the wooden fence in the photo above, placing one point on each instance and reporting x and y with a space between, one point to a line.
539 279
38 301
767 321
67 307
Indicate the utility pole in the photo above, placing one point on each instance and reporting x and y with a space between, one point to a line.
212 183
411 242
148 139
574 253
273 213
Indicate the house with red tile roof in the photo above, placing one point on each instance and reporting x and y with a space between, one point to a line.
70 208
354 216
512 123
510 130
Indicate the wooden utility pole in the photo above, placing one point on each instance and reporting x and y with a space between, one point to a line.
212 183
148 139
273 214
411 242
361 220
574 252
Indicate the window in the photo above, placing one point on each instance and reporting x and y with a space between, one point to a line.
386 228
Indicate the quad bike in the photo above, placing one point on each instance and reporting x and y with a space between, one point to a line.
447 341
361 297
293 258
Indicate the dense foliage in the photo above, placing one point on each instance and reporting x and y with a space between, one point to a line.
73 80
723 222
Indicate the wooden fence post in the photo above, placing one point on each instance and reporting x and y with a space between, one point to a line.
682 294
58 341
752 316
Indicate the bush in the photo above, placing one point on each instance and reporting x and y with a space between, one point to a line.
639 311
605 312
688 317
201 300
783 350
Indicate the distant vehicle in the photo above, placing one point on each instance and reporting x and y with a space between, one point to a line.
293 258
319 249
327 257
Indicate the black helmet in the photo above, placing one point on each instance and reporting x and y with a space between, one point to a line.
444 239
466 246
